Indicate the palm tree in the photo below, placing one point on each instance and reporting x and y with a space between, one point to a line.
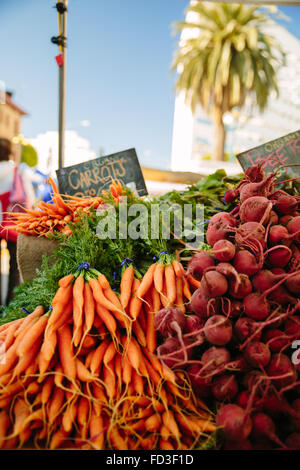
224 55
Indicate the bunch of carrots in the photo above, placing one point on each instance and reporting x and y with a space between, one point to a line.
47 218
84 374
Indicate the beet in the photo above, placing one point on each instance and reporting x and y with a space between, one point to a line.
214 358
245 327
293 284
264 427
223 250
214 284
169 321
218 227
246 263
276 339
194 329
293 441
199 303
285 204
244 444
265 279
256 306
198 263
240 290
257 354
277 235
249 231
201 386
255 209
293 226
279 256
236 309
172 352
281 370
234 423
218 330
262 188
224 387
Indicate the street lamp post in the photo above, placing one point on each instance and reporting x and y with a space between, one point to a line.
61 41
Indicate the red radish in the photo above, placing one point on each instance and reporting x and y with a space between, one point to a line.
240 290
285 204
257 354
256 306
263 426
199 303
245 327
293 441
256 209
218 227
198 263
223 250
281 370
279 256
247 263
224 387
249 231
213 359
214 284
234 422
169 321
201 386
276 339
218 330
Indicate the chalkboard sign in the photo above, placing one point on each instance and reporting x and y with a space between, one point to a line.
282 151
91 177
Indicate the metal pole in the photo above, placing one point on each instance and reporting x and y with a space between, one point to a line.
62 92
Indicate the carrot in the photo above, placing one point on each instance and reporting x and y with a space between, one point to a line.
166 445
127 371
109 354
146 281
78 301
150 329
66 353
169 421
82 372
109 380
97 358
152 424
158 277
178 268
21 412
155 300
100 297
66 280
138 331
136 302
34 333
107 319
121 317
88 342
55 405
186 289
116 440
83 411
89 308
96 431
163 295
103 281
179 295
133 353
4 426
66 313
194 282
126 285
69 416
58 438
47 389
170 284
138 383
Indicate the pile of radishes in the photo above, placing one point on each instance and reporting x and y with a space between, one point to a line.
237 343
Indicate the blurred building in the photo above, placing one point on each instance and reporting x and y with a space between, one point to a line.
11 122
246 128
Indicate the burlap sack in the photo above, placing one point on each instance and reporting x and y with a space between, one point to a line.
30 250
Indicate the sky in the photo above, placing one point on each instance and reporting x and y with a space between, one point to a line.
118 76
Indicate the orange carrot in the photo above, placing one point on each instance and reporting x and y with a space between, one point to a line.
4 425
100 297
126 285
186 289
66 353
96 431
146 281
117 441
194 282
97 358
83 411
21 412
55 405
170 284
32 335
152 424
47 389
158 277
66 280
78 302
179 295
138 331
107 319
89 308
60 300
136 302
178 268
155 300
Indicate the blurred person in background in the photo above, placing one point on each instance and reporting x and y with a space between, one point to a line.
13 198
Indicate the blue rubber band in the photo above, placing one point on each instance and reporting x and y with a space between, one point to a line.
163 252
25 310
83 266
128 261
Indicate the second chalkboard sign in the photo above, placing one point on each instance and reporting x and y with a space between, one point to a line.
284 151
91 177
